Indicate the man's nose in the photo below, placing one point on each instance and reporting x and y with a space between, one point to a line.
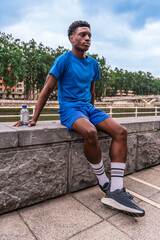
87 38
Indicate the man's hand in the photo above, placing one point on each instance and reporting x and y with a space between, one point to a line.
17 124
47 89
32 122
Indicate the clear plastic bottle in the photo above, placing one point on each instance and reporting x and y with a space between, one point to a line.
24 116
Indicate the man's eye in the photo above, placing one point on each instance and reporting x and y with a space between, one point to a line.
82 34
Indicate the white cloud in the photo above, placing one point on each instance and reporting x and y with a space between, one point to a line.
148 38
47 23
125 47
113 36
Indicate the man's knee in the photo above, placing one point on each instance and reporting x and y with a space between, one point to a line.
122 133
91 136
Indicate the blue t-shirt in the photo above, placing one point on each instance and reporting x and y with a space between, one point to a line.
74 77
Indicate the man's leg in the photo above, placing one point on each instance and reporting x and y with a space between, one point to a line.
117 197
89 132
92 149
118 150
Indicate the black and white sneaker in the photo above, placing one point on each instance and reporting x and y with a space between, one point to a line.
122 200
106 187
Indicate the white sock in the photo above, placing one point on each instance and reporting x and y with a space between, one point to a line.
117 174
100 173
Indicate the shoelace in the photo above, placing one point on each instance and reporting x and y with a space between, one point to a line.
127 194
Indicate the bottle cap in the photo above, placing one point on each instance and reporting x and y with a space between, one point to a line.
24 106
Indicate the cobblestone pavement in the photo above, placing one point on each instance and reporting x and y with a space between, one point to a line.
81 215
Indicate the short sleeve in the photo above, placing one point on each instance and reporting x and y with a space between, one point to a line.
58 67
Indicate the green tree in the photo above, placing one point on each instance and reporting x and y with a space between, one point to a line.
30 62
103 84
128 81
119 80
31 58
11 60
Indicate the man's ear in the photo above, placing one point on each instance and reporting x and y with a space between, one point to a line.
71 38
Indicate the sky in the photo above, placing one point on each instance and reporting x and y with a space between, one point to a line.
125 32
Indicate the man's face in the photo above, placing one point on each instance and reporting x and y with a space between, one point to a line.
81 39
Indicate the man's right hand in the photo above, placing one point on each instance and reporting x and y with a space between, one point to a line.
47 89
31 123
17 124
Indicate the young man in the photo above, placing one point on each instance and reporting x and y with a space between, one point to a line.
76 73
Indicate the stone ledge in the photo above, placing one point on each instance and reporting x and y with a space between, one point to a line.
53 132
47 160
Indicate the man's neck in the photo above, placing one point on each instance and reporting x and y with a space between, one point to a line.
79 54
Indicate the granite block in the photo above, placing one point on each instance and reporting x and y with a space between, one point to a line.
31 175
148 150
8 137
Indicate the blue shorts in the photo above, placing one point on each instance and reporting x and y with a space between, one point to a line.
71 114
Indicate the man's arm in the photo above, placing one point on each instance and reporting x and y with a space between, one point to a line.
92 93
49 85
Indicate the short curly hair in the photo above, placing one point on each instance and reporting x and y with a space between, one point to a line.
75 25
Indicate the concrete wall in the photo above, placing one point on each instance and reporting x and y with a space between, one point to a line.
46 161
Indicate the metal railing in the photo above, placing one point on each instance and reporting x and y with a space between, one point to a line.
134 111
31 114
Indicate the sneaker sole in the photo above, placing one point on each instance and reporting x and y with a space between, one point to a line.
115 205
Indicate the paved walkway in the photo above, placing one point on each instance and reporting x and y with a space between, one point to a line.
82 216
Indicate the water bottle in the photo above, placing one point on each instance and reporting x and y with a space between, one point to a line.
24 116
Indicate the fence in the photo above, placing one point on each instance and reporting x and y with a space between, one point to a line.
112 111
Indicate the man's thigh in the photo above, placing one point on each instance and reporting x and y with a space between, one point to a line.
84 127
69 115
97 115
111 127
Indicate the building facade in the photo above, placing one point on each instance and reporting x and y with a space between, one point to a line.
16 92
